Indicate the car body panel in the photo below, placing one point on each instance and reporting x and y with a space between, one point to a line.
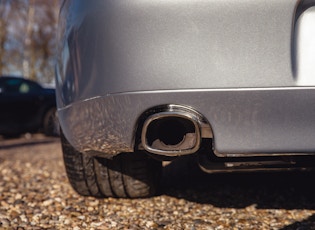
239 63
242 120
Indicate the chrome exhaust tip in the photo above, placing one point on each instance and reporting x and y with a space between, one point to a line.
171 133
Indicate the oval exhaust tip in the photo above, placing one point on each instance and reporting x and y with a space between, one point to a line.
171 134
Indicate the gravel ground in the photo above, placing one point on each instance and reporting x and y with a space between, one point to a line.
35 194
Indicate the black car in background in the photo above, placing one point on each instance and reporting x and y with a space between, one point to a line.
26 106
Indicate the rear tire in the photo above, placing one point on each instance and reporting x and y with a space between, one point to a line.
128 175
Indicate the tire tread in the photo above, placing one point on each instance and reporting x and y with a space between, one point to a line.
128 175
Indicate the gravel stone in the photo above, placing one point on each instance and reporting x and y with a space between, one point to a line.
35 194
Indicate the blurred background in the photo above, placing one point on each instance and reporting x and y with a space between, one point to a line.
28 39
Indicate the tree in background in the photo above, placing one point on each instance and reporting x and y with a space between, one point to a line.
29 38
4 10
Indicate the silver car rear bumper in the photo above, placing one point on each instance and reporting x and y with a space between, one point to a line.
243 65
243 121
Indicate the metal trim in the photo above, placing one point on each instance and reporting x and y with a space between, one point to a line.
172 111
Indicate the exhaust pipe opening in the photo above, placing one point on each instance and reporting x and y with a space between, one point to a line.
170 131
171 134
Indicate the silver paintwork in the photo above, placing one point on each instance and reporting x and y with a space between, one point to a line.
242 64
242 120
